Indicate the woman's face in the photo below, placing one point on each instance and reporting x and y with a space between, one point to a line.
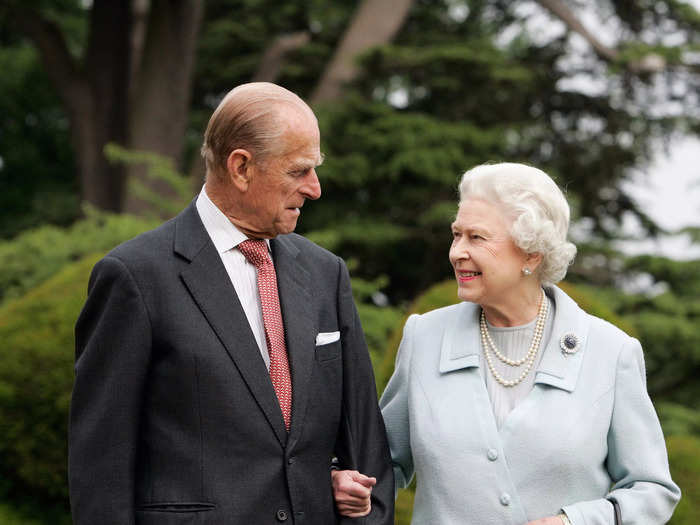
487 263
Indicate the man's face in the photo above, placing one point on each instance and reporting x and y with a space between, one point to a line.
280 184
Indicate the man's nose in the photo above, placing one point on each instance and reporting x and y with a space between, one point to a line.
312 187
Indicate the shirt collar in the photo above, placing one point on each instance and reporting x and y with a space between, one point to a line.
221 230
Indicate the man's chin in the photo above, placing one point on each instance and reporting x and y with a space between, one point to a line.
286 227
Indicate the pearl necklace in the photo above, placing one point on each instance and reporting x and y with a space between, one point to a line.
529 357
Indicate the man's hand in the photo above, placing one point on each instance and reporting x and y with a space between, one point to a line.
352 492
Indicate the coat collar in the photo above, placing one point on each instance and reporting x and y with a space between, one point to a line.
461 343
557 368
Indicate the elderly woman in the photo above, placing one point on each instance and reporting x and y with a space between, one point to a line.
516 406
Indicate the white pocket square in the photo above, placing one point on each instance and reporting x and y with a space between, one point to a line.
323 338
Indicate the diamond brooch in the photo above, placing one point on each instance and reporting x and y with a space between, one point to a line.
569 343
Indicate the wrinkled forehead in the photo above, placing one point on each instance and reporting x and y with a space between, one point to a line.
482 212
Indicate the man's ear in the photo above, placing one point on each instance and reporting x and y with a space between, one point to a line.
239 168
533 260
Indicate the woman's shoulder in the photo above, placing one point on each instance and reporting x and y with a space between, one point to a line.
445 316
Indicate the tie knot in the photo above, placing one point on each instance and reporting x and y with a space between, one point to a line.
255 250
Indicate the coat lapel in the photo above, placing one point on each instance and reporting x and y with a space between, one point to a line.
207 281
293 283
460 342
557 368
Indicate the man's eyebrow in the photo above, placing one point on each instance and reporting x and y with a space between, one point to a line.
321 159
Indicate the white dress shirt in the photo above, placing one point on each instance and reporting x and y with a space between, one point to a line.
244 276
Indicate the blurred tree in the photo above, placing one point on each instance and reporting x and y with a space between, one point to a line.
37 180
461 82
126 79
468 82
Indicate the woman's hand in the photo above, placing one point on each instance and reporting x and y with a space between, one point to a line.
352 492
551 520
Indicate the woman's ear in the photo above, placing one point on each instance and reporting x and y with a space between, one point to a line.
533 260
239 168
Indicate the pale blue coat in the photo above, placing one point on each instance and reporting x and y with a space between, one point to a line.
586 431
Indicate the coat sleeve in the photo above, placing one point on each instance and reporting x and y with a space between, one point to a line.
394 405
113 341
637 460
362 443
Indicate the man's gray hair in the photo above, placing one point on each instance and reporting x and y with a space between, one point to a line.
535 207
250 117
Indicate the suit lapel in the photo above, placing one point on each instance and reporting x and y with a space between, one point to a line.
293 283
207 281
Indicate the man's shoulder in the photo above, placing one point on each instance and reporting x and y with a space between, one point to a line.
146 245
306 247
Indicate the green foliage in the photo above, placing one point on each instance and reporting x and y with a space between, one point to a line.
437 296
403 509
681 276
160 169
36 164
11 516
684 460
678 420
37 254
36 375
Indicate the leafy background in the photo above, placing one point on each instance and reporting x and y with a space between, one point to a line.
457 84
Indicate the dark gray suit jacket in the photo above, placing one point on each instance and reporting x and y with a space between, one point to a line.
174 419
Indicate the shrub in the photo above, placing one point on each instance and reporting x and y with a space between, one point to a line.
36 375
37 254
684 459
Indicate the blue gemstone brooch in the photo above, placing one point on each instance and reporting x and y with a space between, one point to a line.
569 343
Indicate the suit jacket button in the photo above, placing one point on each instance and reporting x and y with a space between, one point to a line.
282 515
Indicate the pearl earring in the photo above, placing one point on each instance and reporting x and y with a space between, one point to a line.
527 271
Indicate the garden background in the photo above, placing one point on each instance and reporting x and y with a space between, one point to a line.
102 108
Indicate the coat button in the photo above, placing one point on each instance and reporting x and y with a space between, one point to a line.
282 515
492 454
505 499
290 461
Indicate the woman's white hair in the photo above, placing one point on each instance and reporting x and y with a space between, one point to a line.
535 207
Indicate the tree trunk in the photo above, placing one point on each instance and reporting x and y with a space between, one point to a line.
107 68
274 57
94 95
162 87
375 23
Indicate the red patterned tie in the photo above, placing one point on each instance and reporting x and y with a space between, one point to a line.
256 253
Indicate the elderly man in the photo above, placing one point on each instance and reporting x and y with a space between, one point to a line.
220 360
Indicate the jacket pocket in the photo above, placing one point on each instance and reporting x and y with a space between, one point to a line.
194 506
328 352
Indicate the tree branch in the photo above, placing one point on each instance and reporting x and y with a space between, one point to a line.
60 66
375 23
651 63
273 59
